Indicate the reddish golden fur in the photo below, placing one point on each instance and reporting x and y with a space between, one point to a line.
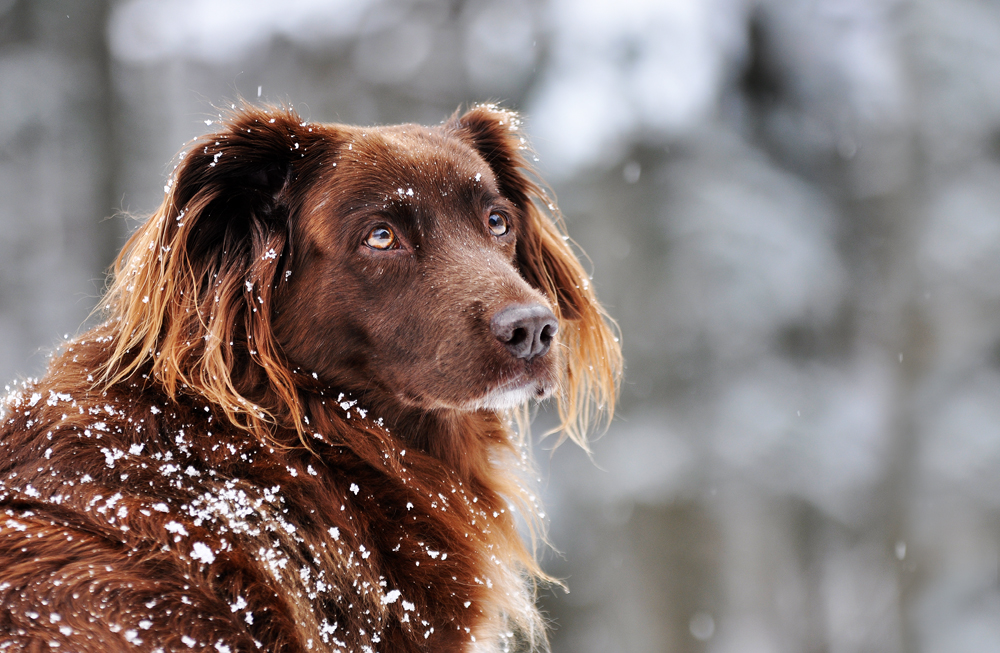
283 440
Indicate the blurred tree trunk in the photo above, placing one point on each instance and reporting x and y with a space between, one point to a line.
56 174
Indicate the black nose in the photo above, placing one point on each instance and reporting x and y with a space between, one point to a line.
526 331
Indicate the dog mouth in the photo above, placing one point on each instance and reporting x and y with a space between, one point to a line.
505 394
513 393
502 396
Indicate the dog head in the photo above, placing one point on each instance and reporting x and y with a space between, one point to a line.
412 264
408 282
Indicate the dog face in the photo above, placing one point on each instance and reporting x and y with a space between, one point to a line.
407 281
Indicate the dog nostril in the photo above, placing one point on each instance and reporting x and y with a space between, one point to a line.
526 331
547 333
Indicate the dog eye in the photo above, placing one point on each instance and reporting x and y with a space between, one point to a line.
382 238
498 224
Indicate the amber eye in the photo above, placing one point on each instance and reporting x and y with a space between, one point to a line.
382 237
498 224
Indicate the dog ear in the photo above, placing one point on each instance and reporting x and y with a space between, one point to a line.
592 358
194 287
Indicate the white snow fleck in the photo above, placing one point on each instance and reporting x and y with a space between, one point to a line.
203 552
56 397
179 529
391 597
354 488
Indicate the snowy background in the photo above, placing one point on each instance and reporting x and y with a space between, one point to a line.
793 211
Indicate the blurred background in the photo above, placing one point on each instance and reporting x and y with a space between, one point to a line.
792 209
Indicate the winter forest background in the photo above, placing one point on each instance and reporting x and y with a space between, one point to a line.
792 209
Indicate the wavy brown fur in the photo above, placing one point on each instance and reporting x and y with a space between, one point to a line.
281 439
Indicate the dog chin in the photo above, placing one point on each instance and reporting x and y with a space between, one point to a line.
506 398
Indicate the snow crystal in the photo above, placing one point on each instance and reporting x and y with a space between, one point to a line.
201 551
179 529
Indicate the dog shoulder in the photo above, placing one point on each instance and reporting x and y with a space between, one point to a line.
177 528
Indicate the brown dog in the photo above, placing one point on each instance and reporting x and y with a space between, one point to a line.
291 432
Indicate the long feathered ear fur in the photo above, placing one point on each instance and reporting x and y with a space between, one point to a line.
591 350
193 320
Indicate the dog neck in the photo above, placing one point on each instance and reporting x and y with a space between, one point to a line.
463 441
